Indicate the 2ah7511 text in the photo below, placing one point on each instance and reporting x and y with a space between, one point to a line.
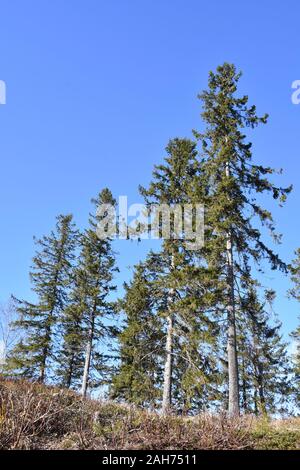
150 459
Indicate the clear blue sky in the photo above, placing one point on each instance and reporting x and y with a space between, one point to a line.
96 88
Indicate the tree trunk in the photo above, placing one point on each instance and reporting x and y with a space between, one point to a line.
87 362
42 375
70 372
233 380
167 387
244 387
255 402
262 401
167 390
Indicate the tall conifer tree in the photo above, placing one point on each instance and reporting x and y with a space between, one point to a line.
180 272
51 278
232 181
93 286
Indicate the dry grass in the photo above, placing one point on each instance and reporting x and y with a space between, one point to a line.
30 414
33 416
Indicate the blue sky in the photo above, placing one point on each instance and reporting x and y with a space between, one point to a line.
95 90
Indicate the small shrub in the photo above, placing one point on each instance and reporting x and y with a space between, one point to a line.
275 435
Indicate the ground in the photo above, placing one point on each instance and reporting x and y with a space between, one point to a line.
34 416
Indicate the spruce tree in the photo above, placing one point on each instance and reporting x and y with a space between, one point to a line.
51 275
232 181
93 286
180 274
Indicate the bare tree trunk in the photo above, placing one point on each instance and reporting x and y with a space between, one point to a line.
70 372
87 362
167 390
255 402
262 401
42 374
86 370
167 387
244 388
233 379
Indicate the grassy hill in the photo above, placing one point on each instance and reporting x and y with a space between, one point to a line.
34 416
